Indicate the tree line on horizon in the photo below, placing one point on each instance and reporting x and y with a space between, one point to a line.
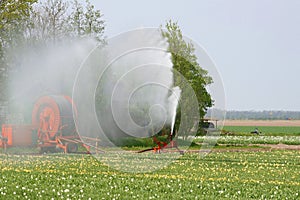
256 115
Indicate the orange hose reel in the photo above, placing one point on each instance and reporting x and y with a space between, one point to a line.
54 117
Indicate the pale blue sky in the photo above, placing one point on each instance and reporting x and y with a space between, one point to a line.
254 43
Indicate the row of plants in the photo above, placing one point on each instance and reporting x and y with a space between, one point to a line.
246 140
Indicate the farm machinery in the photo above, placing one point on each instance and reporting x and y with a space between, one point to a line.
53 127
53 117
169 143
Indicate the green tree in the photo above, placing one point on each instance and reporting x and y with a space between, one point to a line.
55 20
13 18
86 21
49 21
185 62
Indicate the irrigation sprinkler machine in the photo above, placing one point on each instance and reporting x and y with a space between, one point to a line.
53 129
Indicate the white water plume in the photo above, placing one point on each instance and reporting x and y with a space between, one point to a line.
129 82
173 104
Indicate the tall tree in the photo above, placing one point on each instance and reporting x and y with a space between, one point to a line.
13 14
86 21
185 62
49 21
55 20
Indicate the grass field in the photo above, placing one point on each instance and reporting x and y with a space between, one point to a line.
229 175
266 130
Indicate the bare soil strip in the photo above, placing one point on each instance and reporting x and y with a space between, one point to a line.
281 146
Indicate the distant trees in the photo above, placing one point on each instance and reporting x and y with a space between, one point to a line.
48 22
55 20
185 62
255 115
263 115
86 21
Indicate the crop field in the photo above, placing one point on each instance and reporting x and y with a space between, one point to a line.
241 166
246 140
231 175
266 130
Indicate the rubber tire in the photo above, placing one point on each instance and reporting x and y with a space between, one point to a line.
72 147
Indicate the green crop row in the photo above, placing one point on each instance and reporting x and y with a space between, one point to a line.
266 130
245 140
